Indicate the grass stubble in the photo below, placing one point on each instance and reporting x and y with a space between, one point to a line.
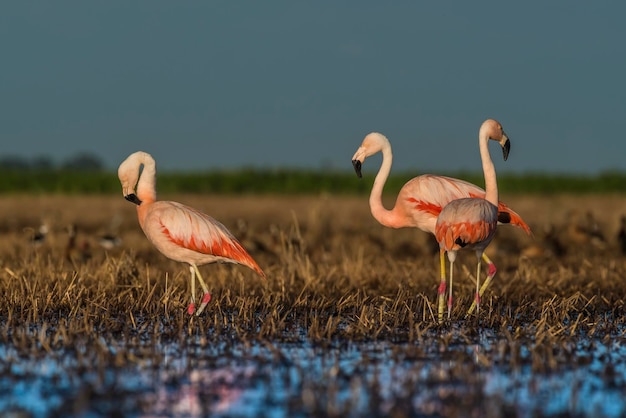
335 278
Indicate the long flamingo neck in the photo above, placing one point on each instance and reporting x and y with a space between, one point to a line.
380 213
146 186
491 184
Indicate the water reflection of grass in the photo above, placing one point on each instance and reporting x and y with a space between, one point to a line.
286 379
345 319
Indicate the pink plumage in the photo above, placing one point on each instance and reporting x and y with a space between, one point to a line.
421 199
471 223
466 223
179 232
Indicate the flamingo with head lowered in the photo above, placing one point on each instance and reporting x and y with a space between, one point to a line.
471 222
179 232
421 199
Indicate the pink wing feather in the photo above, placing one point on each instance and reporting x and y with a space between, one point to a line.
435 192
471 220
201 233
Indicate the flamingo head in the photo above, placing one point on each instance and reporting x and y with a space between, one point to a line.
129 172
372 143
493 130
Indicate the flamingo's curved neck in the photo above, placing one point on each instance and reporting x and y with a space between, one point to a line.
380 213
489 171
146 186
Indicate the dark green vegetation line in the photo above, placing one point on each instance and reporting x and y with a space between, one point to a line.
289 181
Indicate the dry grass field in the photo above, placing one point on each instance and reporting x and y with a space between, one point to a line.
335 279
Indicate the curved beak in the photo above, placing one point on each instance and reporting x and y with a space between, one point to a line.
357 167
133 198
506 146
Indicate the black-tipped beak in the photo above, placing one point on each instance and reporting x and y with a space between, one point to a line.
506 147
357 167
133 198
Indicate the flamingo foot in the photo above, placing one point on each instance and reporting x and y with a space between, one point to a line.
191 308
205 301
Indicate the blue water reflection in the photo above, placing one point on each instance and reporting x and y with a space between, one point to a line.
301 379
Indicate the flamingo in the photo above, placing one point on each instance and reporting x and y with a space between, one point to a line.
179 232
471 222
422 198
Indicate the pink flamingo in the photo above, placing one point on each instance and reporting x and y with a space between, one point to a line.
179 232
421 199
471 222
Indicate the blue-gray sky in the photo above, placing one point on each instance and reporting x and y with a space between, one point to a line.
226 84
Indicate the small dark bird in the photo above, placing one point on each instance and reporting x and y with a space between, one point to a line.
74 252
621 234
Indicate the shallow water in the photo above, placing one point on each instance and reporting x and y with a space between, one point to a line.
427 378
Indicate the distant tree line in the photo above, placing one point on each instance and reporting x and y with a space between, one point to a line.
85 173
82 161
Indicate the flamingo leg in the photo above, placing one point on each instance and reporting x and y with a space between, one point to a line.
206 298
451 277
192 305
477 297
441 291
491 273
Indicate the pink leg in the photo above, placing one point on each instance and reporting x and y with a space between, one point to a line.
450 297
192 305
491 272
442 288
206 298
478 287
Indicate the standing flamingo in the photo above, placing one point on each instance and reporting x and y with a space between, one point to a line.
179 232
421 199
471 222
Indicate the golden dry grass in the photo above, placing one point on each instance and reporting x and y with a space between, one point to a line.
332 272
318 252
